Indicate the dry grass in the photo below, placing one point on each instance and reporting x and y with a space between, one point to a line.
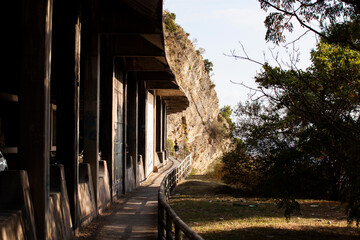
216 211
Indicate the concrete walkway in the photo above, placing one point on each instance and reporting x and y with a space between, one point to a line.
133 216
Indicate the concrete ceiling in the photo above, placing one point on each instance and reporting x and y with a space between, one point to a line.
133 34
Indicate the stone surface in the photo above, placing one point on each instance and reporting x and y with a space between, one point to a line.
195 126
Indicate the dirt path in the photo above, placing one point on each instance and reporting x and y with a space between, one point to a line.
133 216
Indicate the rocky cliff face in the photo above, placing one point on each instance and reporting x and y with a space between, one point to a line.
199 129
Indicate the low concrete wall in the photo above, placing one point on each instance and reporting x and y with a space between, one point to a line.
59 204
55 221
16 207
104 185
141 172
86 195
12 225
161 156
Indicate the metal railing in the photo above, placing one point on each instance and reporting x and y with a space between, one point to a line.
170 226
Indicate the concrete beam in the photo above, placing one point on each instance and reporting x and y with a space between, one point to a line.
119 17
170 93
152 85
146 64
155 75
132 45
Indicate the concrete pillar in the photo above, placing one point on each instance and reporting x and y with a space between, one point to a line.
141 122
165 131
164 120
132 87
34 104
159 125
66 79
91 71
106 120
127 164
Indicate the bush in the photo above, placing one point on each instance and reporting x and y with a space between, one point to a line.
239 169
217 131
208 65
170 147
169 20
215 169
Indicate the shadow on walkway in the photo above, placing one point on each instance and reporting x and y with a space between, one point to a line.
133 216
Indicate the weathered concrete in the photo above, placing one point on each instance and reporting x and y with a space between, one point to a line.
104 185
59 204
133 216
87 205
15 196
11 225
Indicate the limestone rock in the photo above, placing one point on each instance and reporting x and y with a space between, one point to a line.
197 128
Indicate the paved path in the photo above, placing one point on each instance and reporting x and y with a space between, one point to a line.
133 216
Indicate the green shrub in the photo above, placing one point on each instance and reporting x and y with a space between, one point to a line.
239 169
170 146
169 20
208 65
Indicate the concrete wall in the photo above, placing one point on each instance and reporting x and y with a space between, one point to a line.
118 135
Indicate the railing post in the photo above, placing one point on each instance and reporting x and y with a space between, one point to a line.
168 227
173 184
177 232
177 175
166 216
161 217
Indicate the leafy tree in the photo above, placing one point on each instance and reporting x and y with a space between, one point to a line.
226 112
240 169
307 133
303 127
338 19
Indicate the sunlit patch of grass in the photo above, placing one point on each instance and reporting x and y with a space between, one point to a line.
215 212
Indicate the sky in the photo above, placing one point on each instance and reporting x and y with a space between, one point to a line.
220 26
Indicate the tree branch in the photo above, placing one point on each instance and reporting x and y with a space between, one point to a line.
302 23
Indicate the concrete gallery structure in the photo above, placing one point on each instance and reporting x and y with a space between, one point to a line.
84 96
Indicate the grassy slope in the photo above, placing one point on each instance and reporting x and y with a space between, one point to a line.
216 211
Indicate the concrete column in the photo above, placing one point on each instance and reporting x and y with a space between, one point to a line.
154 131
141 122
165 131
132 88
91 71
164 120
106 120
66 79
34 105
127 163
159 125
